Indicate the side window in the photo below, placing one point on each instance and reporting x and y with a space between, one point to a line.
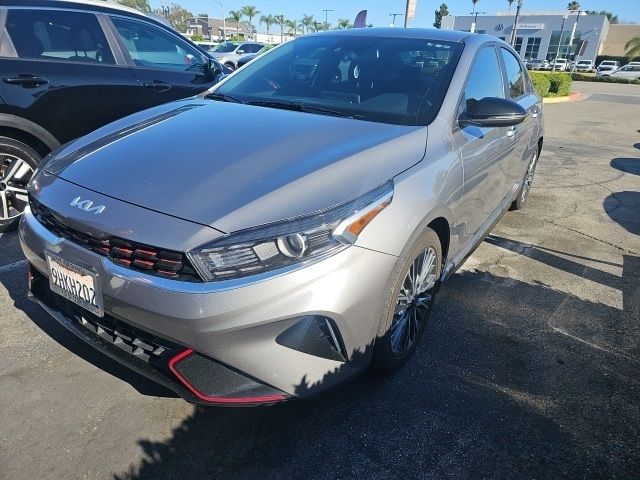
151 47
255 48
56 35
485 78
515 76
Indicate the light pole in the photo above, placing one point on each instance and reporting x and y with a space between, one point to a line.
326 15
514 31
475 20
573 32
224 21
564 19
394 15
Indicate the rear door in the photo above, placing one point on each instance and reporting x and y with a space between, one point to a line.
167 67
59 70
485 151
525 135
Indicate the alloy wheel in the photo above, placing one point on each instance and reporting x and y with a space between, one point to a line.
414 302
15 173
528 178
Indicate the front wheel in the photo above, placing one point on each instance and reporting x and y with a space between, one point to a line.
409 304
18 161
230 66
525 187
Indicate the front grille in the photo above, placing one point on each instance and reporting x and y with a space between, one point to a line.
145 346
143 258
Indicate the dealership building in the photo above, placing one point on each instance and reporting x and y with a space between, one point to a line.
542 34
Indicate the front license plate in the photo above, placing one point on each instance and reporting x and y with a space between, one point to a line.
74 283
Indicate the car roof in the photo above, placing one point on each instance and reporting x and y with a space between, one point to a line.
97 5
426 33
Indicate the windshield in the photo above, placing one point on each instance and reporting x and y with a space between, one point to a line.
392 80
225 47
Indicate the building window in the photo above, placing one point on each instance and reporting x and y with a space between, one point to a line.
533 46
561 46
518 46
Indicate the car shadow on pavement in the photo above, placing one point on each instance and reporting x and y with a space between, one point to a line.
15 283
624 209
512 380
627 165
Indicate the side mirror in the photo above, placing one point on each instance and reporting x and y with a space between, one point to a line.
240 52
212 67
494 112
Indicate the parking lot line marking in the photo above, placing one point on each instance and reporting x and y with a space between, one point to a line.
13 266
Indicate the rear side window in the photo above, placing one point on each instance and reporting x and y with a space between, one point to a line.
149 46
56 35
485 78
515 76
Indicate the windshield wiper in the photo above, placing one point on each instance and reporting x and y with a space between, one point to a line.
301 107
223 97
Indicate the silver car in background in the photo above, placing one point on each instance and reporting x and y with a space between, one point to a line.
311 242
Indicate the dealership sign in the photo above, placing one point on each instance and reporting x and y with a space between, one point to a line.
531 26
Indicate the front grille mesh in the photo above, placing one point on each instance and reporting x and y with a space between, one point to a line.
144 258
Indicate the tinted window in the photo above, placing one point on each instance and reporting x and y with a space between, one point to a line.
56 35
254 48
515 77
394 80
485 78
151 47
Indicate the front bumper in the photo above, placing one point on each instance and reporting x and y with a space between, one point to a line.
288 335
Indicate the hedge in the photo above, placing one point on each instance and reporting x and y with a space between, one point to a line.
551 84
607 79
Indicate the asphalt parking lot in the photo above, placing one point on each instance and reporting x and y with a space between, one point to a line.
530 367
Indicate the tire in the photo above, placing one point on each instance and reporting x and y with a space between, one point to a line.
18 161
387 357
525 186
230 66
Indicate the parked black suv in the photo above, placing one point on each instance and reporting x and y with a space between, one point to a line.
69 67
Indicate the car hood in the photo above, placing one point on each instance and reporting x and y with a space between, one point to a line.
233 166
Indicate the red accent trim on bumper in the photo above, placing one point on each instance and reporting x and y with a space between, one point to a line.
219 400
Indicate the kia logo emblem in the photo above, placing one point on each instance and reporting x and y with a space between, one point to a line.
87 206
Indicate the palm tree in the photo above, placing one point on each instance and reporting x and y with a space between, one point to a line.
307 23
510 2
473 2
292 27
235 16
250 11
573 6
269 21
344 23
633 47
280 20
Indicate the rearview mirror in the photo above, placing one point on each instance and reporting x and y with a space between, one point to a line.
493 112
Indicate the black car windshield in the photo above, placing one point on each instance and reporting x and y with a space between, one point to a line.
383 79
225 47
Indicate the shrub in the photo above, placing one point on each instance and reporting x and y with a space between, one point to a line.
560 84
541 83
590 78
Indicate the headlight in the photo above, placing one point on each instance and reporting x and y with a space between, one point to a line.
297 241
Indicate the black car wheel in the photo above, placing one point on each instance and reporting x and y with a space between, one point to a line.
409 304
18 161
230 66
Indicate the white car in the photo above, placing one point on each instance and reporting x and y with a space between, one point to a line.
606 67
584 65
630 72
559 64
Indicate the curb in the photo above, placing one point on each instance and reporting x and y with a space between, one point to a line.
572 97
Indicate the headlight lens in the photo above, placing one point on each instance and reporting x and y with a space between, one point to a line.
296 241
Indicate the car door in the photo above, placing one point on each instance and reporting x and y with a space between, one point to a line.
523 136
167 67
60 71
484 151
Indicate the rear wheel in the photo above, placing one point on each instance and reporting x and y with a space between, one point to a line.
18 161
409 305
525 187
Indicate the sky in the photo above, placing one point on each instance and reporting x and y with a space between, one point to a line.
379 10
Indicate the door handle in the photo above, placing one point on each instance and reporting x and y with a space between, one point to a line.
26 80
512 131
157 86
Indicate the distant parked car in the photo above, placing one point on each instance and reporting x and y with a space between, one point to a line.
605 70
559 64
243 60
538 64
630 72
584 65
607 66
229 53
71 67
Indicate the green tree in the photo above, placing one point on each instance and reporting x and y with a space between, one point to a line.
632 48
292 27
307 23
573 6
142 5
280 20
344 23
473 4
236 17
613 18
196 37
269 21
178 17
250 11
443 11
